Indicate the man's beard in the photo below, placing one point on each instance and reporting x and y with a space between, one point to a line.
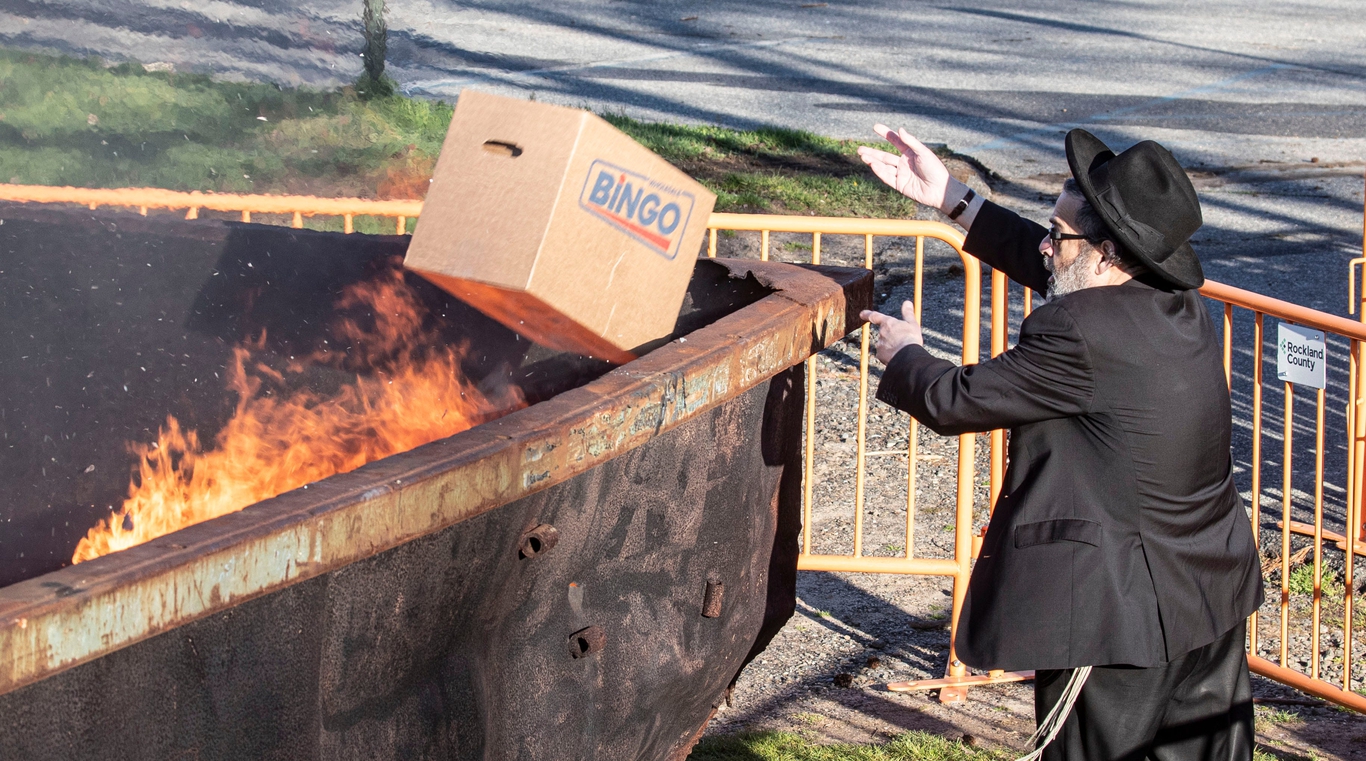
1069 277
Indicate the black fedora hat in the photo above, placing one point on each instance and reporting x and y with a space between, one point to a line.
1146 200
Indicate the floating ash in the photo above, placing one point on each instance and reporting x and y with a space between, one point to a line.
284 435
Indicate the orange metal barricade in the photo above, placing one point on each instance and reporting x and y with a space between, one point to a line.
1292 616
143 199
953 686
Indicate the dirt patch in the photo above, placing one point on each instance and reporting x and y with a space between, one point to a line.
833 165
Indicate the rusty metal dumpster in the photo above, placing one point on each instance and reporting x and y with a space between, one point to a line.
581 577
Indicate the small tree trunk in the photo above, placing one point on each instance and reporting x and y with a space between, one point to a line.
376 40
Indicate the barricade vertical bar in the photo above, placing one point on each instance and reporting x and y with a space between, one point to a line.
298 221
1257 360
808 482
807 469
913 443
142 210
348 223
1350 411
1228 346
1286 471
246 216
1359 528
1000 312
962 554
919 272
1354 454
1028 302
192 213
1354 504
967 445
1318 534
711 243
1358 448
1356 531
911 455
1355 461
763 245
1000 300
861 438
401 226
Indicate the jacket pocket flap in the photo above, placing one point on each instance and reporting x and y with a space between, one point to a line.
1060 530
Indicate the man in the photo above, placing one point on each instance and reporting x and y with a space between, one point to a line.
1119 540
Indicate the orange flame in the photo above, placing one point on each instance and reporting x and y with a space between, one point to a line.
278 440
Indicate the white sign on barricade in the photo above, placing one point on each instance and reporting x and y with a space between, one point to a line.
1300 356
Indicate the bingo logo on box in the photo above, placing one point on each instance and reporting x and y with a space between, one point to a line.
650 211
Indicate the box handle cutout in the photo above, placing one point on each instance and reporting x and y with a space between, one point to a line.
503 148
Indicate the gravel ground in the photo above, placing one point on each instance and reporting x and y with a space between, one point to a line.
825 673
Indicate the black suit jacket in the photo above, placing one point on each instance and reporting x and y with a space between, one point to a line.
1118 537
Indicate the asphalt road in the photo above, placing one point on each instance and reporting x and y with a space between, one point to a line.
1249 92
1225 82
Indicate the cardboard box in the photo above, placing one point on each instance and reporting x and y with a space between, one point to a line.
558 225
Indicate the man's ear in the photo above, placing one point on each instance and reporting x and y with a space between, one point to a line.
1107 258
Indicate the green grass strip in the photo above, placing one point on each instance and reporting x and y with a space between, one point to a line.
789 746
65 121
68 121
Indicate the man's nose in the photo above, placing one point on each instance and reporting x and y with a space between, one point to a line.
1046 246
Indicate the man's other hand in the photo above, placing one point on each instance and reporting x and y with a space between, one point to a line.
916 173
893 335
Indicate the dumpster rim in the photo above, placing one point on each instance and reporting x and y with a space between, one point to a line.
76 614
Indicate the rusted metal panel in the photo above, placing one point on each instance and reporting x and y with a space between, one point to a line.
77 614
455 644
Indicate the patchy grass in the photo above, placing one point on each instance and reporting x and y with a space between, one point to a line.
1331 586
788 746
1267 717
67 121
912 746
1261 754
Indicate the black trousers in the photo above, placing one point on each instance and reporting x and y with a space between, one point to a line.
1196 707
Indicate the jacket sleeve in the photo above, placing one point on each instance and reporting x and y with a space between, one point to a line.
1047 375
1010 243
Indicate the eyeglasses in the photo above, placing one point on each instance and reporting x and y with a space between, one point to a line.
1058 236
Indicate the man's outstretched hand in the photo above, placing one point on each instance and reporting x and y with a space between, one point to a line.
893 335
916 173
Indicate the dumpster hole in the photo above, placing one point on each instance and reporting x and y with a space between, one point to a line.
711 599
538 540
585 642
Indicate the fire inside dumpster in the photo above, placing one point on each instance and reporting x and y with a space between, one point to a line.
348 516
280 438
168 373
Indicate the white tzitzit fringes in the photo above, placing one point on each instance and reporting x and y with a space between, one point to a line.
1052 723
